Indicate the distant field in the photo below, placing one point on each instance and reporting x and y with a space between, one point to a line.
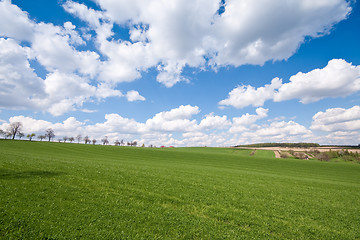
72 191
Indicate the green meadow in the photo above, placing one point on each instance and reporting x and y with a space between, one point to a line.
76 191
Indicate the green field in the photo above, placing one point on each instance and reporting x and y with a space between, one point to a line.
75 191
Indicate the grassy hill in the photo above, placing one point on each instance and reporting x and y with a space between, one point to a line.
72 191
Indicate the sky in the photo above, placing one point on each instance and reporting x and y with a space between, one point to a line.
180 73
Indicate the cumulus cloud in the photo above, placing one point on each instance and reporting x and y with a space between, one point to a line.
64 92
241 124
14 22
338 79
153 131
177 34
170 73
91 16
19 83
175 120
279 132
345 138
116 124
164 36
30 125
177 127
133 96
337 119
212 121
64 57
244 96
64 88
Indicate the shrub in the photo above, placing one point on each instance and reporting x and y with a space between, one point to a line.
334 154
323 157
253 152
300 155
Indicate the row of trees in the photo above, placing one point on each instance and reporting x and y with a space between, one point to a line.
16 129
104 141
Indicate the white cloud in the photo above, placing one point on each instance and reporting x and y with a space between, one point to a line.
133 96
14 22
68 127
212 121
115 124
65 91
64 57
257 31
177 34
88 110
19 83
337 119
241 124
176 127
31 125
283 129
125 61
278 132
167 36
244 96
66 86
75 38
201 139
44 37
345 138
104 91
175 120
90 16
337 79
170 73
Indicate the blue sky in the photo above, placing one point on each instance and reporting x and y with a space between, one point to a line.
174 73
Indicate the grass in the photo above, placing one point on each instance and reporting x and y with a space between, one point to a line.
264 153
72 191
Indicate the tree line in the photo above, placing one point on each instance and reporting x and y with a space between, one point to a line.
289 145
15 129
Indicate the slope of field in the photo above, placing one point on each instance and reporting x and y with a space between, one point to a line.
72 191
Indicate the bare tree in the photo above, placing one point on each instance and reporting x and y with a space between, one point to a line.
132 143
71 139
65 139
78 138
15 128
41 137
105 140
86 139
122 142
94 141
30 136
50 134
